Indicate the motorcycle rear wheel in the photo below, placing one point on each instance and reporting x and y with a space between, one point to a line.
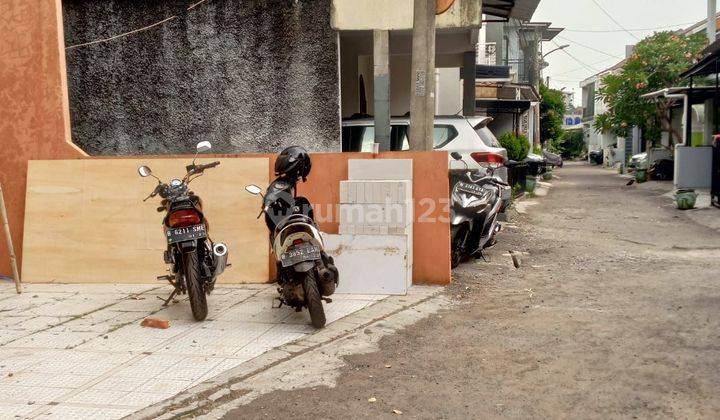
198 300
456 254
313 301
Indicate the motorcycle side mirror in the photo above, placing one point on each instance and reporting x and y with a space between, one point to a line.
253 189
203 146
144 171
456 155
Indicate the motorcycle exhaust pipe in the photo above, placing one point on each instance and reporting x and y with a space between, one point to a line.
220 255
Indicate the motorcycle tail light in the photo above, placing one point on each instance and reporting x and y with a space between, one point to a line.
182 218
297 242
488 158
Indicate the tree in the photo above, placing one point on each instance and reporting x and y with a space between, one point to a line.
552 109
571 144
656 63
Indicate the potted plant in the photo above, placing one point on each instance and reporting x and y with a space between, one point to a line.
640 174
685 199
547 175
530 184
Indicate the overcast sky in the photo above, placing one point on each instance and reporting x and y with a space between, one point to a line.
585 15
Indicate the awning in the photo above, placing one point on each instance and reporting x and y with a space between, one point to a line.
507 9
503 105
484 72
543 30
696 95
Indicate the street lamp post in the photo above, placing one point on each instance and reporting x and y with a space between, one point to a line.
562 47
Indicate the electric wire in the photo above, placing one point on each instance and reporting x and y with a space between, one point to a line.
590 48
134 31
593 31
577 59
597 3
583 67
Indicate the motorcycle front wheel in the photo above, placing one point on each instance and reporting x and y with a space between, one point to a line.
198 300
313 301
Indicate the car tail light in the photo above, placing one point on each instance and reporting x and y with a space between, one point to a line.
488 157
182 218
298 242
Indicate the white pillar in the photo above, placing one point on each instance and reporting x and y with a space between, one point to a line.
381 87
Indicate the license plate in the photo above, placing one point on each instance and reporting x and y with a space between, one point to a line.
300 253
188 233
470 188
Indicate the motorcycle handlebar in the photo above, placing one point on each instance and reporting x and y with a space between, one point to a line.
209 165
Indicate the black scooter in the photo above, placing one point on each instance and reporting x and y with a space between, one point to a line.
306 275
195 262
475 203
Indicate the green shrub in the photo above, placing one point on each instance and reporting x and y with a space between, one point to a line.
517 146
570 144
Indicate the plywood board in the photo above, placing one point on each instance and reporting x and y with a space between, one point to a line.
85 221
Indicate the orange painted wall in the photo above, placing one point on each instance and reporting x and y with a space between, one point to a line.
35 124
431 249
34 116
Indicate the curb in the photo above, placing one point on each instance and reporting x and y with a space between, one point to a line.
225 387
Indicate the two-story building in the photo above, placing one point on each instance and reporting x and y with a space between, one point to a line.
507 74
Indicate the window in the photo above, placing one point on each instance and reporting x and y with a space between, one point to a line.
443 134
488 137
358 138
399 138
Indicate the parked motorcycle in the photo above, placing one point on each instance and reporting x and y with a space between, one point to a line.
306 275
195 261
475 203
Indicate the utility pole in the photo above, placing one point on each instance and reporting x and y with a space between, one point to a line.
422 89
711 25
710 111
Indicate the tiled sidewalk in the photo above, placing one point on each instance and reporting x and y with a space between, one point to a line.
78 351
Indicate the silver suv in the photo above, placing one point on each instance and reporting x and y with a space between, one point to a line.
465 135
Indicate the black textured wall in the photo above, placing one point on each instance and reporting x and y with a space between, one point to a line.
248 75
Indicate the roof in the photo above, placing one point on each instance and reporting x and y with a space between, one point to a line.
698 93
507 9
543 29
511 105
700 25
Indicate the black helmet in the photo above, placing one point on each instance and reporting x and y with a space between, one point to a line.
293 163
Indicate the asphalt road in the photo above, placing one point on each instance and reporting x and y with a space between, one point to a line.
614 312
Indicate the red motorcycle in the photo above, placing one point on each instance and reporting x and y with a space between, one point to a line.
195 261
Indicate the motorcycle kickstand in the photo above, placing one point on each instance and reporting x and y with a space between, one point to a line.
280 303
167 301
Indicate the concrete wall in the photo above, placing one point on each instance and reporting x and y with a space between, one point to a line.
398 14
693 167
250 76
356 60
448 91
34 120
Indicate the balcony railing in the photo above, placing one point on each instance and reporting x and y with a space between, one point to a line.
525 70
